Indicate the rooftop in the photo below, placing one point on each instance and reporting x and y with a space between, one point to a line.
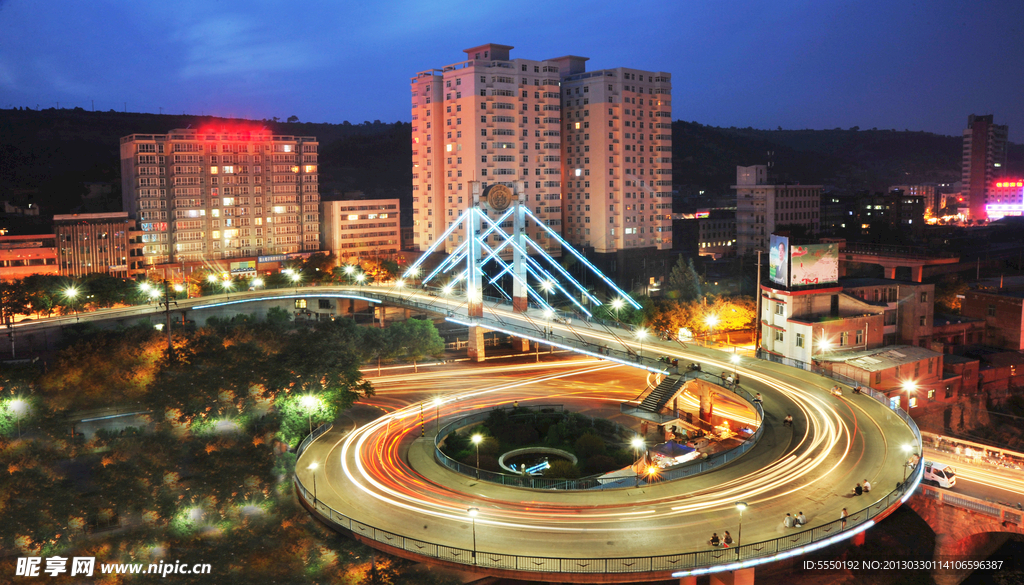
952 358
881 358
943 319
859 282
1014 294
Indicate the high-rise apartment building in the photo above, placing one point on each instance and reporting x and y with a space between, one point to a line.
984 160
763 207
361 228
489 119
616 157
928 192
209 194
592 149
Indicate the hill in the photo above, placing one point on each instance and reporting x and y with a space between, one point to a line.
46 155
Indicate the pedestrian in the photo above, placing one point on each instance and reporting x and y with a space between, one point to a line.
727 540
867 486
858 490
801 519
715 541
757 398
842 516
788 421
788 522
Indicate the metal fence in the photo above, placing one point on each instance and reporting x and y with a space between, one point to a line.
712 557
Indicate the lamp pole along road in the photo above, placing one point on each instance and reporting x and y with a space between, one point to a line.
472 514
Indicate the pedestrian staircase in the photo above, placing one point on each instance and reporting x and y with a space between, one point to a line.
661 394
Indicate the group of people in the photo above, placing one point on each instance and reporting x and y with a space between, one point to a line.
792 521
862 489
837 391
724 541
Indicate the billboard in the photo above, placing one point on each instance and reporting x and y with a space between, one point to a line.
815 264
778 260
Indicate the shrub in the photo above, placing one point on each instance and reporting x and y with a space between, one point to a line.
562 470
589 445
599 464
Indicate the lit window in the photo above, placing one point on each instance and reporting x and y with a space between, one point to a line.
229 169
216 235
213 170
287 148
310 168
215 212
229 201
279 209
352 217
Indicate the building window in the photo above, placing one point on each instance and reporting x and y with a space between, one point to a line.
920 320
799 339
913 402
844 339
931 394
300 303
924 297
991 310
860 336
778 335
878 377
780 309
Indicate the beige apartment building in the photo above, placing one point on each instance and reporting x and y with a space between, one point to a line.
593 149
488 119
361 228
209 193
617 157
95 242
763 207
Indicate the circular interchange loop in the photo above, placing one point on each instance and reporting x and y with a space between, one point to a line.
385 487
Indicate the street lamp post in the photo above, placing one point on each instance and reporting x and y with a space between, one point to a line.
18 406
437 413
312 467
906 462
712 320
739 533
637 443
641 334
477 439
71 293
735 359
296 277
546 287
309 402
226 284
909 386
472 514
617 304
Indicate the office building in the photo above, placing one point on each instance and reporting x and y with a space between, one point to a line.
763 208
360 229
95 243
207 194
984 160
591 151
22 256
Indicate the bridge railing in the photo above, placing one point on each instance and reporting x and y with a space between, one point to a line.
752 553
1003 513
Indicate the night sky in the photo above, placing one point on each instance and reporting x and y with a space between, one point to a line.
797 64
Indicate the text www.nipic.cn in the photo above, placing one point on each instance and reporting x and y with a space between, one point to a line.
85 566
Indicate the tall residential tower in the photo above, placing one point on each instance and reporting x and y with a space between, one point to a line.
984 160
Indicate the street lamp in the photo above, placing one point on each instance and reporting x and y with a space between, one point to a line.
711 321
637 442
296 277
739 533
18 406
71 293
361 277
226 285
257 282
546 287
312 467
309 402
908 387
472 515
617 304
641 334
735 359
477 439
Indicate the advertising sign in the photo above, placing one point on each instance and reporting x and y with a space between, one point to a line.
815 264
778 260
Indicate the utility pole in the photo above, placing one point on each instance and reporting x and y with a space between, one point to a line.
757 293
167 313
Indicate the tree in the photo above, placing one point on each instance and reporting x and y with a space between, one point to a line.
415 339
293 119
683 282
948 293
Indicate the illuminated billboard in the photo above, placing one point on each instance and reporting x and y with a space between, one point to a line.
815 264
778 260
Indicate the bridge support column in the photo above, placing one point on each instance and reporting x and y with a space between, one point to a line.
476 344
520 345
707 403
858 539
917 273
691 580
890 272
740 577
520 298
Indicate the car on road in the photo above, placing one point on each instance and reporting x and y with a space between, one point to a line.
939 474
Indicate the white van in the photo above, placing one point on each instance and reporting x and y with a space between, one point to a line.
939 474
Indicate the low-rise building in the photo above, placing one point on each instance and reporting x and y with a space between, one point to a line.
361 228
951 333
909 307
910 376
1003 314
22 256
95 242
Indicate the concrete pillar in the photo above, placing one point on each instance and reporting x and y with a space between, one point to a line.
707 402
691 580
890 271
406 313
520 345
476 344
740 577
858 539
474 283
917 273
520 299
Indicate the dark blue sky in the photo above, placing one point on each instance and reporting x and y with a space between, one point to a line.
797 64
